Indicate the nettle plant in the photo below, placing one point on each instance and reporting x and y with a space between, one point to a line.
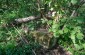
67 29
68 32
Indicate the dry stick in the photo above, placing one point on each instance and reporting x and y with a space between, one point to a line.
34 52
19 21
22 20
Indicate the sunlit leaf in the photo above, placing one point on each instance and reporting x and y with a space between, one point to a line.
60 31
73 38
73 32
73 1
83 45
79 36
66 30
77 46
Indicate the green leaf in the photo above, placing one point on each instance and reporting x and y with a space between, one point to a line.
74 1
61 31
77 46
63 20
80 19
83 45
78 27
79 36
55 35
73 32
73 38
54 26
66 30
54 30
49 22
